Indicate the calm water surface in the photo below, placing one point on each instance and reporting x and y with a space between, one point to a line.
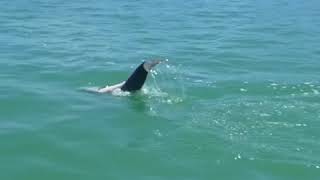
238 99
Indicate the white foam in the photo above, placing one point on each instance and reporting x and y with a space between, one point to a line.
153 92
118 92
264 115
315 91
243 90
237 157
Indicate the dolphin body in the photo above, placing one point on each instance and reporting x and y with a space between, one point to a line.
135 81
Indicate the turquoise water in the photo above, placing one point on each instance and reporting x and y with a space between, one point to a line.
239 97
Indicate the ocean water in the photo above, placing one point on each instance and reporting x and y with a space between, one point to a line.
239 97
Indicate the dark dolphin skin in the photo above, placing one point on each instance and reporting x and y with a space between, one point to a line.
138 77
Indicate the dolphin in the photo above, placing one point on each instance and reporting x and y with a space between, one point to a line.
135 81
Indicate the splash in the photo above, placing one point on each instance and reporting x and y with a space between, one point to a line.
165 84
